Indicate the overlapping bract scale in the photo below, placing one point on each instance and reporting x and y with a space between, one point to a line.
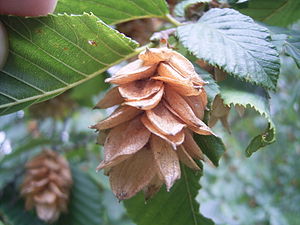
162 102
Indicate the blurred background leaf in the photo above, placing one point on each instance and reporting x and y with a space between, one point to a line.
273 12
235 92
263 189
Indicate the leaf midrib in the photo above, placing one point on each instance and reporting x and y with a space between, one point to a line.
190 197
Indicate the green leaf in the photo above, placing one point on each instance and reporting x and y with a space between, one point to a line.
212 146
112 11
212 88
83 93
176 207
181 7
274 12
239 93
234 42
287 42
12 209
50 55
85 205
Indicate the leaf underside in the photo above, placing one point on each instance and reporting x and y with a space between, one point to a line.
238 93
234 42
113 12
176 207
50 55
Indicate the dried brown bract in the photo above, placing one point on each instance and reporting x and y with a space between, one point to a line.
162 102
219 111
46 186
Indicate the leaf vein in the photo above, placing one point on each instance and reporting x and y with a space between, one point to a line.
189 196
46 71
47 53
23 81
71 42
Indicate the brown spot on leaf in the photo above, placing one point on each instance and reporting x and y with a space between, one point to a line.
92 42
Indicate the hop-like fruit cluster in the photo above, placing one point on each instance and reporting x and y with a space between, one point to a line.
162 102
47 185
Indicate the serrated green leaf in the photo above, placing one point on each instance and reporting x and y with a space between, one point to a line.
12 209
176 207
287 42
237 92
50 55
182 6
274 12
234 42
112 11
12 206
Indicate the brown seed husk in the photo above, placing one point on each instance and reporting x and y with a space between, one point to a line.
197 105
154 56
132 175
164 120
165 70
185 158
185 68
133 71
139 89
148 103
204 65
125 139
182 87
174 140
166 160
185 112
153 187
219 74
102 136
120 115
111 98
219 111
191 146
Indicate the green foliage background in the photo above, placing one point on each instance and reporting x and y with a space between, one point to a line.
63 50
